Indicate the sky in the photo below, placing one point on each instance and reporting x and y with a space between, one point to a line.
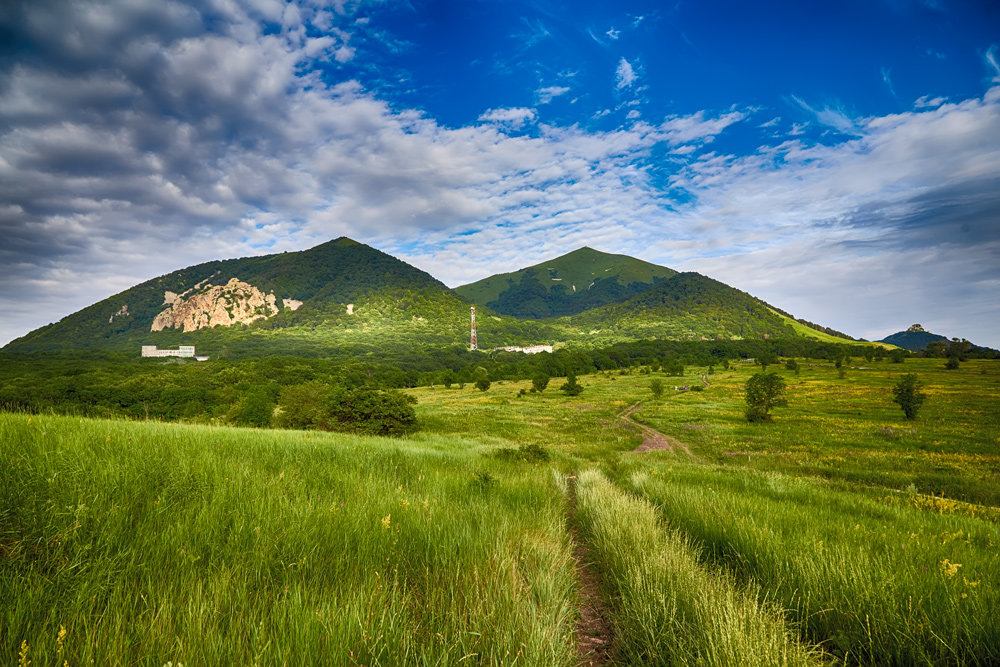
840 160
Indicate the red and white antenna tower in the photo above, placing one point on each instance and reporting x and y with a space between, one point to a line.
473 346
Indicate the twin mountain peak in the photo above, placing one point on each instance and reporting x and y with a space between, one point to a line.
343 292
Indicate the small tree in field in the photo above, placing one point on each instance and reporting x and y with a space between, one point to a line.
656 386
540 382
792 365
571 387
763 392
907 393
482 384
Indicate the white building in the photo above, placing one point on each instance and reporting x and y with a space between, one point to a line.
182 351
530 349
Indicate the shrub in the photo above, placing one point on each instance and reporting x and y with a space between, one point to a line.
763 392
656 386
951 364
571 387
907 393
482 384
540 382
792 365
530 453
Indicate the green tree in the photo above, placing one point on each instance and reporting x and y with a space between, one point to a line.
896 355
482 384
907 393
764 391
540 381
373 412
571 387
448 378
304 405
656 386
952 363
673 366
765 359
792 365
254 408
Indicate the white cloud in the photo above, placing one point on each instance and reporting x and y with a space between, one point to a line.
613 34
991 61
625 75
514 117
549 93
835 118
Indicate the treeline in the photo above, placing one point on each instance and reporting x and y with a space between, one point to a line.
258 391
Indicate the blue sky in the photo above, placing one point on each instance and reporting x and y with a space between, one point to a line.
840 160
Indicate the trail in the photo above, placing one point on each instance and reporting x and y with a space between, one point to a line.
651 438
593 630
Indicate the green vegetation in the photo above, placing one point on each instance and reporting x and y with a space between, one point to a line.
668 609
764 391
907 393
575 282
840 532
152 543
872 582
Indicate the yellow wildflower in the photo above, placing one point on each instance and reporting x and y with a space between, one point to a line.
948 568
386 520
22 655
59 640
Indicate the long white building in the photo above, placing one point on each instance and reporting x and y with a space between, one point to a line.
182 351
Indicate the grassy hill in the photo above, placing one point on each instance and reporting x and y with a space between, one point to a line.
688 306
575 282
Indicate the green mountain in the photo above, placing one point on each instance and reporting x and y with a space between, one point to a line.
341 293
570 284
914 339
689 306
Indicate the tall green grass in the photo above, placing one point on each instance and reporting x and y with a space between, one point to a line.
872 581
668 609
151 543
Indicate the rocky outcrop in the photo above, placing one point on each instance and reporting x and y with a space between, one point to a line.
236 302
122 312
292 304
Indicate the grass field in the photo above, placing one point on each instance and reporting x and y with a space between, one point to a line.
839 532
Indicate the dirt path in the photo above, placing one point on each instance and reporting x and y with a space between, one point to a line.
651 438
593 630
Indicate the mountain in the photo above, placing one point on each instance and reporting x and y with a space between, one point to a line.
348 299
339 293
690 305
914 338
570 284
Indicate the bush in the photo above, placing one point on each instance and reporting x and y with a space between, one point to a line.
656 386
571 387
540 382
763 392
907 393
951 364
792 365
482 384
313 405
673 367
530 453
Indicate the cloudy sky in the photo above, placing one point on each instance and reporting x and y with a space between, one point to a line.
840 160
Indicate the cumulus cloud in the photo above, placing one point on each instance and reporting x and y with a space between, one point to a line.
625 75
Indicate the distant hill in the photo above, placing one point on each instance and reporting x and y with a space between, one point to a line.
690 305
914 338
575 282
339 293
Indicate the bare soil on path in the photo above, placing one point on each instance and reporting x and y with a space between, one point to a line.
651 438
593 629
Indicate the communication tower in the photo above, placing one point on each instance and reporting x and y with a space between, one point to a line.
473 346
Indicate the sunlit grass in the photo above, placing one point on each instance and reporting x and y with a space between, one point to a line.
874 582
153 543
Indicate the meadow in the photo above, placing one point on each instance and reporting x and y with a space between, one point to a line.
838 533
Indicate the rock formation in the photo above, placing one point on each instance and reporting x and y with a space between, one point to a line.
236 302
